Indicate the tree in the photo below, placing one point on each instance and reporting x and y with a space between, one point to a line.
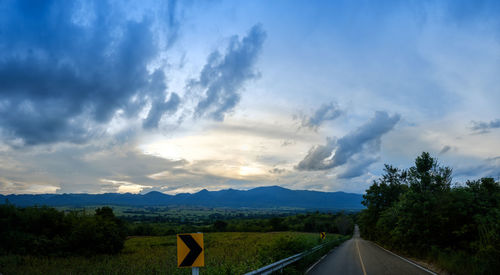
424 205
344 224
418 211
45 231
428 176
277 224
381 195
220 225
101 233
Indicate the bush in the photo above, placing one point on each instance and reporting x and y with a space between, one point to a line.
43 231
220 226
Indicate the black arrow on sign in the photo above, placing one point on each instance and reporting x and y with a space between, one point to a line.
194 250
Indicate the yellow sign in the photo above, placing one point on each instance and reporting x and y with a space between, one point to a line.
322 235
190 250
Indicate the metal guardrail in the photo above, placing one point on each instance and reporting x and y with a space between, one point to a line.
268 269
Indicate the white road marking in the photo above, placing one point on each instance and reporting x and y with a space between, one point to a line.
310 268
408 261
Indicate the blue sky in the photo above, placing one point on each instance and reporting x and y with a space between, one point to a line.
133 96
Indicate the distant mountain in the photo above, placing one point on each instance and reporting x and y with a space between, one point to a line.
260 197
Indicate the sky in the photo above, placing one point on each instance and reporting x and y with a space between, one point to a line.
180 96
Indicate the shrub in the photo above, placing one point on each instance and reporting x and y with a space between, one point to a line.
43 230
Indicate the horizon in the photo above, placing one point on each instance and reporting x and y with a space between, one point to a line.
174 194
138 96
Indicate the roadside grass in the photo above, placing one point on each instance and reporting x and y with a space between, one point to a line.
459 262
225 253
448 261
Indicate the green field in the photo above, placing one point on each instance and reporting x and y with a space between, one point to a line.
225 253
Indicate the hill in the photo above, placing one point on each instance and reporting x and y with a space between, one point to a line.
260 197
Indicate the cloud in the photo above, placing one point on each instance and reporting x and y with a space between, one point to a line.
277 171
484 127
288 142
159 105
319 157
445 149
111 167
356 168
86 168
325 112
338 152
67 68
489 167
223 76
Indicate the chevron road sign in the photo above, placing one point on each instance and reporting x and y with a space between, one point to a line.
322 235
190 250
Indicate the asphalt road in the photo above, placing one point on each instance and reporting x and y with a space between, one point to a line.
360 257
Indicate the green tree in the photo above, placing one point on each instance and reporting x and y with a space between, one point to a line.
419 212
424 205
344 224
381 195
220 226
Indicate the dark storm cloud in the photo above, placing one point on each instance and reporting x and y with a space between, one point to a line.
337 153
222 76
159 105
67 67
482 127
325 112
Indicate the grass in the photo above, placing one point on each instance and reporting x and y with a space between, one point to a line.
225 253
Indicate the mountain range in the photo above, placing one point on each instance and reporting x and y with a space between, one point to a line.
260 197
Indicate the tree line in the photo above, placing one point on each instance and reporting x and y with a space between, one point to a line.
47 231
339 223
418 212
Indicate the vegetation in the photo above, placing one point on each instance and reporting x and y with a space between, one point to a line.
418 212
339 222
309 222
225 253
45 231
43 240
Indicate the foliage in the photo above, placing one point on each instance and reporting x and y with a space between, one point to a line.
309 222
418 212
43 231
225 253
339 222
42 240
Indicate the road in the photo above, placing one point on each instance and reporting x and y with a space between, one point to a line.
360 257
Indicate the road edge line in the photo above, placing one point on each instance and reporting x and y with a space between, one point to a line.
312 266
408 261
326 254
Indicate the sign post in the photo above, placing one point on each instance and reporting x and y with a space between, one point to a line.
190 252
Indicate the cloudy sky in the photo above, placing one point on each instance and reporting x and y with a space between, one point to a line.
133 96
